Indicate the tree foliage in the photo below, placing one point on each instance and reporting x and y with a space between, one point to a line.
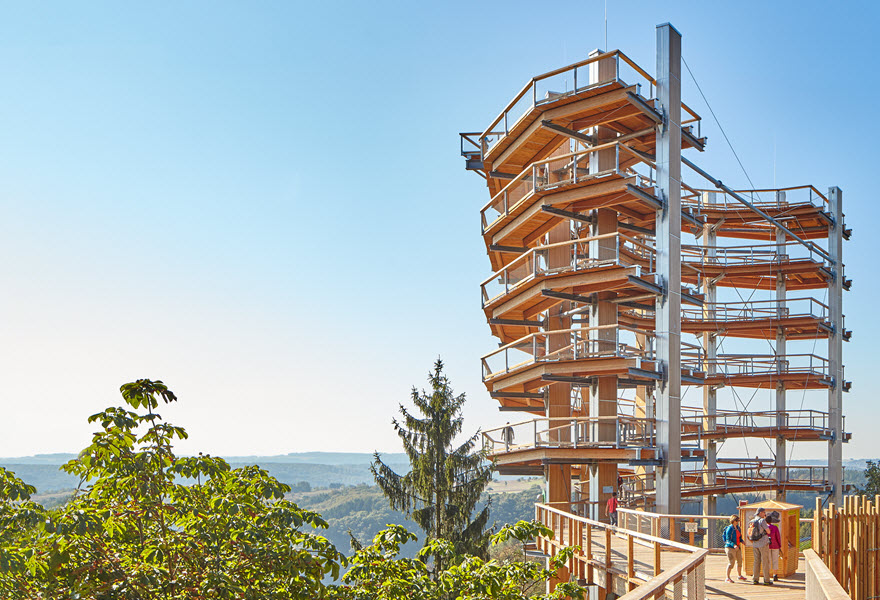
444 483
377 573
134 530
147 524
872 479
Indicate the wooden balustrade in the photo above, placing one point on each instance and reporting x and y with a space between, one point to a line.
626 562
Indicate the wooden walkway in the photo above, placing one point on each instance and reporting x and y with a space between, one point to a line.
791 588
642 566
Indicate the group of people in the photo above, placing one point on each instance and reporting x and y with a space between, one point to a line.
766 543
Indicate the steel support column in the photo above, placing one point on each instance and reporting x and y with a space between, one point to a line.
668 244
781 362
835 345
710 346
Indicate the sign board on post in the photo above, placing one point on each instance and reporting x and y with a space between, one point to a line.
690 527
608 489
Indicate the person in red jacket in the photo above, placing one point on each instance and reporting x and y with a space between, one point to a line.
611 508
775 545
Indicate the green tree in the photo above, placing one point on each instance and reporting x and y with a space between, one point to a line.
444 483
872 479
378 573
134 529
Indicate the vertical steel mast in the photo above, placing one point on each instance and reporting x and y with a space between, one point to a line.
668 247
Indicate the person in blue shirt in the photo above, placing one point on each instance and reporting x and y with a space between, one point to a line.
733 543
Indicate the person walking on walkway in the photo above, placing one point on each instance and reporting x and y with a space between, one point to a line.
775 545
759 535
733 543
611 508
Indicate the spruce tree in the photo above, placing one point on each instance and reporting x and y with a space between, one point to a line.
444 483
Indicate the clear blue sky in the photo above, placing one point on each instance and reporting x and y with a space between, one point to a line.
263 204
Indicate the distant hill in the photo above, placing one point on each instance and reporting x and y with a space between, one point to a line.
38 459
323 458
319 469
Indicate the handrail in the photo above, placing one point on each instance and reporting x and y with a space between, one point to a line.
635 534
751 364
589 537
543 76
658 516
767 190
571 345
616 55
655 586
749 253
618 432
528 168
791 419
522 340
820 581
524 255
555 172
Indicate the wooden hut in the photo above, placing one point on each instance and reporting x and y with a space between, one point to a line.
789 532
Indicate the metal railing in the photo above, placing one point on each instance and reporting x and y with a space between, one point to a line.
566 170
694 530
570 81
740 422
750 255
568 257
745 474
764 198
738 365
571 432
568 344
755 310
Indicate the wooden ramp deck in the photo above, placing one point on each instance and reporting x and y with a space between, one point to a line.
639 565
791 588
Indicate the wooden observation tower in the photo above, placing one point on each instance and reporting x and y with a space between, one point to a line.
625 278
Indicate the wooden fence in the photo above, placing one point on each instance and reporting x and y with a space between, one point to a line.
846 539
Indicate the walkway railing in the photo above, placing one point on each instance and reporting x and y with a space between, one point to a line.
617 558
571 432
567 257
749 255
566 170
569 81
695 530
737 422
637 488
754 310
764 199
736 365
602 341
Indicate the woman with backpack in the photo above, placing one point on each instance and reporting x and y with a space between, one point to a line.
733 542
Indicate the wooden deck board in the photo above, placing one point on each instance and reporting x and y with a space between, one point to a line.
791 588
